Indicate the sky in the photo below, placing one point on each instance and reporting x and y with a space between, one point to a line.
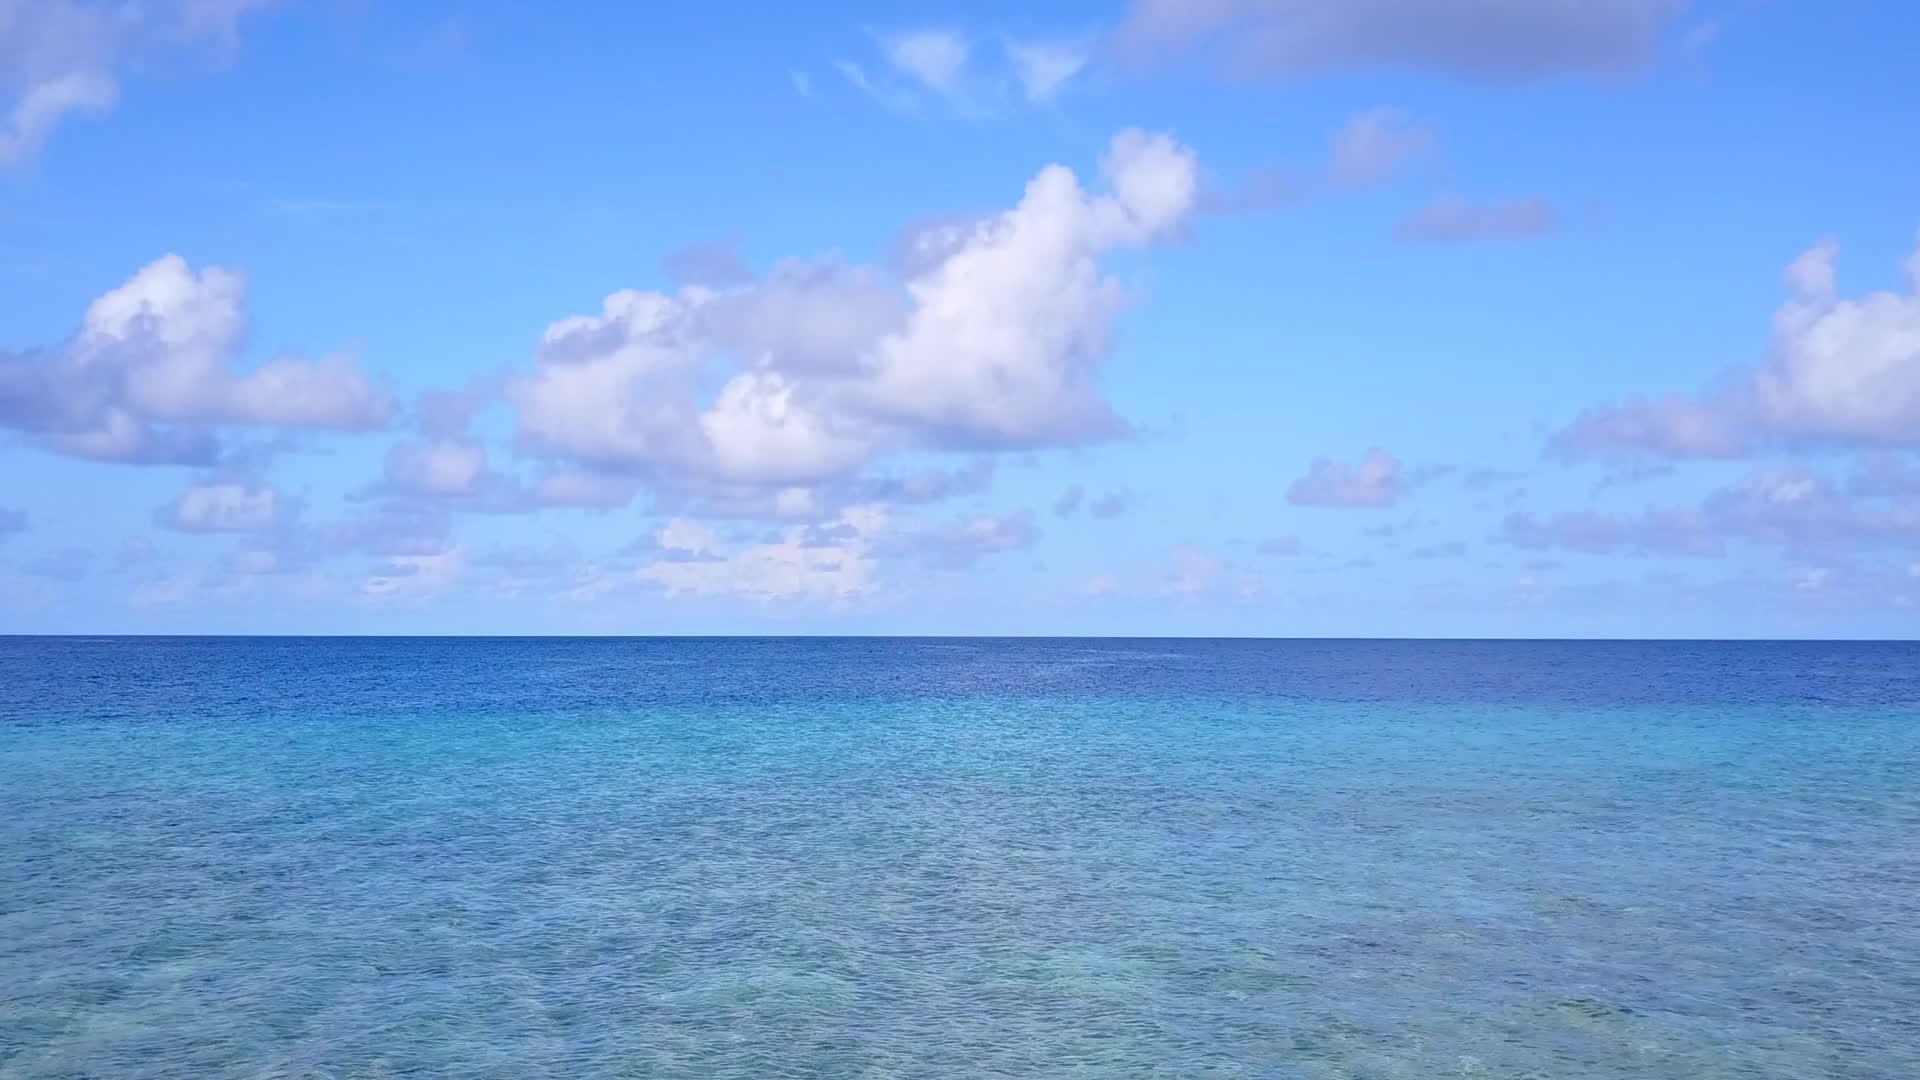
1425 318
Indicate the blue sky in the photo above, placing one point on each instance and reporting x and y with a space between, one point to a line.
1277 317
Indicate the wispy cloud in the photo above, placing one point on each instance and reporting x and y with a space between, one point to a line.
60 57
934 58
1043 68
1371 147
1456 221
969 76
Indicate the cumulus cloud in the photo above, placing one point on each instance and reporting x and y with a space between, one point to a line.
151 374
416 576
837 561
59 57
995 343
1495 40
1838 372
1374 481
578 487
621 390
1005 336
1793 508
1455 221
1799 509
223 507
836 565
447 469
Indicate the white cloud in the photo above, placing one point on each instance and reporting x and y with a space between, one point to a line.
885 91
41 108
1838 372
223 508
416 575
995 341
151 371
1374 481
761 428
621 390
59 57
836 567
1043 68
806 316
1797 508
854 74
1792 508
1196 575
445 469
1193 572
933 57
688 535
1006 334
943 64
577 487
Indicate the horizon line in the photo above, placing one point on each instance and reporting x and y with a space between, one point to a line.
295 636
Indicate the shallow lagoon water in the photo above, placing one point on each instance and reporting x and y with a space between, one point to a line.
909 858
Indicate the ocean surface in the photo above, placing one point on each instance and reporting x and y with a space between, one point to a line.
958 858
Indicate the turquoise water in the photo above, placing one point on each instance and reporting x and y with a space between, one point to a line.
820 858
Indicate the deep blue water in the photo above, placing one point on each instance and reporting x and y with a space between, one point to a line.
894 858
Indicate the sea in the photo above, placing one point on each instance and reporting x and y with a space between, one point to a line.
868 858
